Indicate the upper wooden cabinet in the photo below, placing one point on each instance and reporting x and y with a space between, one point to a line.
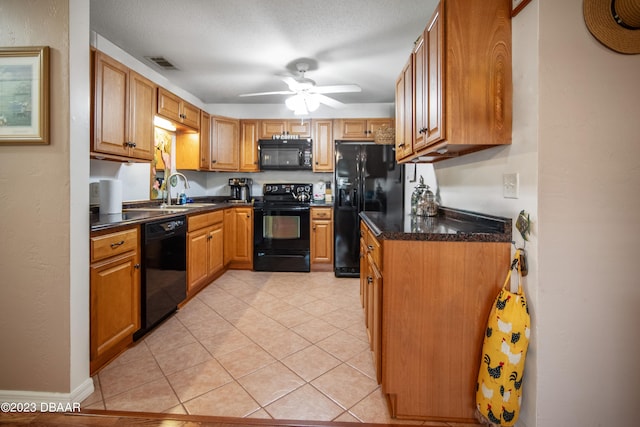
249 146
323 146
123 109
179 111
404 111
193 150
271 127
359 129
462 81
225 144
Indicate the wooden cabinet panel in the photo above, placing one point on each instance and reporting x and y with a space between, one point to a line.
323 149
404 111
433 130
321 239
205 141
177 110
359 129
225 144
205 240
114 294
238 244
193 150
249 146
271 127
141 112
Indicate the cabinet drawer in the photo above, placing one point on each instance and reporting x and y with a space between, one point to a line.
109 245
374 248
321 213
204 220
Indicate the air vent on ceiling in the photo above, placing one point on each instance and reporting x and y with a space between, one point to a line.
162 62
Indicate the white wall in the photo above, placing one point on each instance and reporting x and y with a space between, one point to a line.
44 296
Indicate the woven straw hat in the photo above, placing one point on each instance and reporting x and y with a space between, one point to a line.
615 23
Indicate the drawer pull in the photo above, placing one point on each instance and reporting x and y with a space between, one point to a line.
115 245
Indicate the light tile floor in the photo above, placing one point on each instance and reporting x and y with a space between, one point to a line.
288 346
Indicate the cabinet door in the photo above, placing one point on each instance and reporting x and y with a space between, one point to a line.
373 125
197 258
268 128
216 248
353 128
111 96
420 93
404 111
169 105
323 146
300 128
115 303
190 115
434 39
142 108
244 235
229 235
205 141
376 320
321 242
248 146
224 144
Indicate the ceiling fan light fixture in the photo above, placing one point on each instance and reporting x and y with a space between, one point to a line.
302 104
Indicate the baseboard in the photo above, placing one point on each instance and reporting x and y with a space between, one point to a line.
43 398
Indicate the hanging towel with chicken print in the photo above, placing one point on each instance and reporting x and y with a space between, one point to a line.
499 387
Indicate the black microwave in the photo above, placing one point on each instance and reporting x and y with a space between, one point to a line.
285 154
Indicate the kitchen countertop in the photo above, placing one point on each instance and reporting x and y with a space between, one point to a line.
449 225
100 222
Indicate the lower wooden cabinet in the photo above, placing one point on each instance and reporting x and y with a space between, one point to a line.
426 305
238 231
321 239
114 294
205 243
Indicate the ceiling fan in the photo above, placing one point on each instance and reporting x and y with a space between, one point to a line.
306 96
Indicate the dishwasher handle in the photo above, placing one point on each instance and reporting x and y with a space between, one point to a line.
163 229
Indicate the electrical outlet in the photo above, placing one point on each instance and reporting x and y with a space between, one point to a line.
510 185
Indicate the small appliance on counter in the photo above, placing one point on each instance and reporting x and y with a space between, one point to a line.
240 190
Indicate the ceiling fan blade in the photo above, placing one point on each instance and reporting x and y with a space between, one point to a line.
333 103
279 92
337 89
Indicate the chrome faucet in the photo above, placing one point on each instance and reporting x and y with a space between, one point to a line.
168 185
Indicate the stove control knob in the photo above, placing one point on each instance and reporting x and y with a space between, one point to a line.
267 188
307 188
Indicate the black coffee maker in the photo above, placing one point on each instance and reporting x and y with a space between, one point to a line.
240 189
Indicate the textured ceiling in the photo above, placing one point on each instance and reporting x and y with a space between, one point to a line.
223 48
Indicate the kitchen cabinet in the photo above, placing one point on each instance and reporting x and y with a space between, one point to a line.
371 294
462 81
323 146
249 146
432 318
193 150
114 293
275 127
205 245
123 107
177 110
238 232
404 111
225 144
321 239
359 129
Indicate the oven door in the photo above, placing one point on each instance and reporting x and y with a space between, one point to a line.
281 238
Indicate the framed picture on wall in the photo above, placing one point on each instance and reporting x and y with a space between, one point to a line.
24 95
518 5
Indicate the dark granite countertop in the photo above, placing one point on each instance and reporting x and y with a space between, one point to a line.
449 225
136 213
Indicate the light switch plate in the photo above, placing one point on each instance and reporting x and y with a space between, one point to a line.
510 185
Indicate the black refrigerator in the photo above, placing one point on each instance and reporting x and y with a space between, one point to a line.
366 178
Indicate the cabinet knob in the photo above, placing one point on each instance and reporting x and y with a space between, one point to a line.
136 266
369 279
213 161
370 247
248 216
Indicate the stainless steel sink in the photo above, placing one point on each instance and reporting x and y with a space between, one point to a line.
171 208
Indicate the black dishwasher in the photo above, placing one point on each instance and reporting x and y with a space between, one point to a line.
164 272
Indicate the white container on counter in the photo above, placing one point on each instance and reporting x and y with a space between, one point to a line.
110 196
